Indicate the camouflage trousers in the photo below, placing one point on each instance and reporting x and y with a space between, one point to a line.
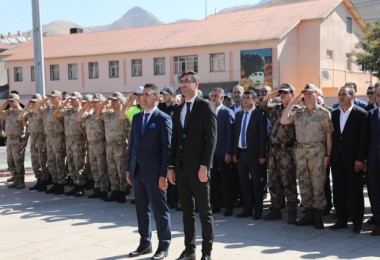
39 156
98 163
282 177
311 176
115 163
56 158
15 156
75 159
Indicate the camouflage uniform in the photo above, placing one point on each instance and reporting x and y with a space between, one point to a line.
74 135
281 164
116 132
14 131
97 150
37 145
55 140
311 131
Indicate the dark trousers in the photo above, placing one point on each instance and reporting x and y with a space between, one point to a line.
374 188
149 197
348 194
191 190
328 189
250 176
222 189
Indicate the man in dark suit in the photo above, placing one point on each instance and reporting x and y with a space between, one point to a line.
373 163
147 166
221 173
350 142
250 137
193 145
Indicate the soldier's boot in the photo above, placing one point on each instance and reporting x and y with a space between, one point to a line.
36 186
11 179
103 195
21 183
95 195
114 196
52 189
89 185
80 192
43 186
307 219
73 191
14 184
273 214
122 198
60 189
318 220
292 216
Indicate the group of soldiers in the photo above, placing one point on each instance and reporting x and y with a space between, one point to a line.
69 134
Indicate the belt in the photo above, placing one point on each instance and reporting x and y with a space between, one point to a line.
309 145
283 145
95 142
243 149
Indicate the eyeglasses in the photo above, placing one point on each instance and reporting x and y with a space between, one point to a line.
185 81
370 93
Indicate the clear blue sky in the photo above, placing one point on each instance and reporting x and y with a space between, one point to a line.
16 15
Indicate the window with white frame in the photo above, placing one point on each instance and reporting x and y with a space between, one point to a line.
217 62
184 63
18 73
32 75
330 54
113 69
93 70
54 72
136 67
348 61
159 66
72 70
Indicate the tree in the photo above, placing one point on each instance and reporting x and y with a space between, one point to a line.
367 50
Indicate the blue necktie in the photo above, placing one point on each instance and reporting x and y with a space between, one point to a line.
146 115
243 131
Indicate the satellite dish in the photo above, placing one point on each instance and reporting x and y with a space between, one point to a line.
325 75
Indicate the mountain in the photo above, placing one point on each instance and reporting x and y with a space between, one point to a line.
243 7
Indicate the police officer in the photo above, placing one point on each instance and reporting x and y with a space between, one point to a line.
314 143
281 164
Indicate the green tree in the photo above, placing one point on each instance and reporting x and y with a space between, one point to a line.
367 50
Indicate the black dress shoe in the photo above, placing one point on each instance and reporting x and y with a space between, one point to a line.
371 221
257 216
160 254
228 212
338 225
244 215
206 257
215 210
187 256
141 251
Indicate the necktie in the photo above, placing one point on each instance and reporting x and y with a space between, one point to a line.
243 131
146 115
187 116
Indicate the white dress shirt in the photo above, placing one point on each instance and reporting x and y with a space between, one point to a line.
217 109
150 114
246 126
184 108
343 117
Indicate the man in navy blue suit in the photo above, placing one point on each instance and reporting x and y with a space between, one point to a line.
147 166
221 173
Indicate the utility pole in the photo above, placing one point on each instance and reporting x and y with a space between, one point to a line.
38 49
205 9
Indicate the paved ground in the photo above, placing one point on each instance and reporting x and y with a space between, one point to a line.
39 226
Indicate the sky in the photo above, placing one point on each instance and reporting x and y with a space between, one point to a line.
16 15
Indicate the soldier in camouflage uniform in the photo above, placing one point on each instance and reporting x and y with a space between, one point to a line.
15 131
117 128
75 140
87 167
314 143
97 146
281 165
35 130
55 140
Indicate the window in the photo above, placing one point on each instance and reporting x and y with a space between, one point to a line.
184 63
330 54
348 61
72 71
32 75
54 72
349 25
18 73
137 68
217 62
159 66
93 70
113 69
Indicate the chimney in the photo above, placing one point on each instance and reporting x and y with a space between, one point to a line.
76 30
